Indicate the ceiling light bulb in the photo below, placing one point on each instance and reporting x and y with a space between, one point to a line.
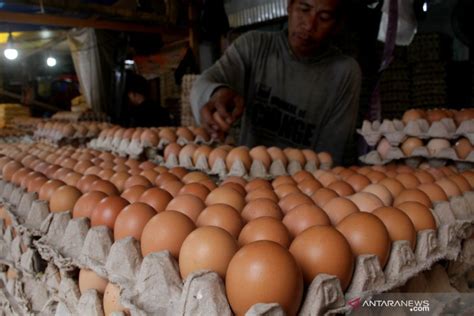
10 53
51 61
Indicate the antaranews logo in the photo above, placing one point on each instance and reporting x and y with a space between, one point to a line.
410 304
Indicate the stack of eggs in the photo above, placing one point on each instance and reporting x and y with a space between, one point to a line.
437 135
293 227
55 131
257 162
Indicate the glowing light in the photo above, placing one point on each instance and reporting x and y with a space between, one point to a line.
51 61
425 6
10 53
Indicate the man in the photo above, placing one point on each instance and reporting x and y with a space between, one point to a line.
291 88
143 112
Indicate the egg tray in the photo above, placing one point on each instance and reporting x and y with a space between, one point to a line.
70 244
419 155
257 169
395 131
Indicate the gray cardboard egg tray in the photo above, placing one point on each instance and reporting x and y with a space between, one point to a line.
257 169
136 148
152 285
395 131
419 155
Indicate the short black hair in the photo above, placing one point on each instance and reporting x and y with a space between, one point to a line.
136 83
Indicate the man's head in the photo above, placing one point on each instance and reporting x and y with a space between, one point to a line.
311 23
136 89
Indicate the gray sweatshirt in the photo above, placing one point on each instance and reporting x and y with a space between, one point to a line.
289 102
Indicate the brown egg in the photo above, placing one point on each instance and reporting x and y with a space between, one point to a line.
147 165
411 144
414 195
239 154
293 200
64 198
408 180
25 182
261 194
210 184
36 184
197 189
134 193
85 182
304 216
260 208
106 211
323 249
366 234
9 169
265 228
137 180
257 184
303 175
165 177
132 219
48 189
237 187
207 248
419 214
237 180
341 187
469 176
381 192
449 187
398 224
393 185
325 177
195 176
104 186
88 279
424 176
294 154
346 174
309 186
167 134
376 176
260 153
366 202
217 154
277 154
226 196
223 216
72 178
157 198
358 182
172 187
322 196
463 148
312 156
339 208
187 204
283 180
86 204
461 182
119 178
179 172
285 189
412 115
19 175
112 300
434 192
166 231
243 285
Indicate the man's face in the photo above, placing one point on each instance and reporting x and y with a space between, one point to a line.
311 23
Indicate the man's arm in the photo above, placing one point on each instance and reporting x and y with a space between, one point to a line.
341 123
229 71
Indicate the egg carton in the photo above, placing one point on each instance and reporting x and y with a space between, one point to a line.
395 131
418 155
71 243
257 169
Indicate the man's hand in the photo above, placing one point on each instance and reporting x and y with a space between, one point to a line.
222 110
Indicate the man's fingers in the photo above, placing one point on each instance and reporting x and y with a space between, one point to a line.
221 108
220 121
238 108
207 120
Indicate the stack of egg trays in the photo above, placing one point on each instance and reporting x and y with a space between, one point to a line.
395 132
136 148
152 285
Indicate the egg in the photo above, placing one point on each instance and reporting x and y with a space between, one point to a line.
281 180
112 300
264 228
157 198
277 154
294 154
223 216
187 204
419 214
119 178
137 180
434 192
341 187
210 184
392 185
19 175
304 216
366 202
88 279
9 169
469 176
322 196
323 249
366 234
461 182
309 186
36 184
237 187
179 172
436 145
283 190
85 182
195 176
104 186
339 208
226 196
202 150
261 154
257 184
358 181
414 195
376 176
381 192
132 219
412 115
302 175
239 154
207 248
463 148
86 204
398 224
410 144
165 177
166 231
106 211
261 194
197 189
325 177
132 194
325 158
293 200
64 198
243 285
313 157
261 207
217 154
449 187
237 180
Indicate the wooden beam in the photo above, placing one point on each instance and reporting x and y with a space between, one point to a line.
168 34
